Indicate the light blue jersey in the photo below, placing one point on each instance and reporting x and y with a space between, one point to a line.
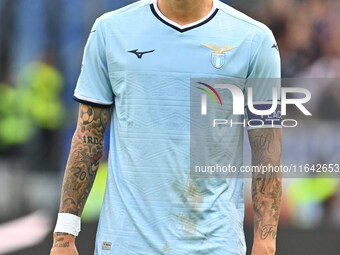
141 63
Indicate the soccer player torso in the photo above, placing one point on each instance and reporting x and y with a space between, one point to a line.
151 205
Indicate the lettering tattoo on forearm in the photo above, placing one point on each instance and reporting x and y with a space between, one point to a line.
93 140
268 231
61 245
60 241
266 187
86 152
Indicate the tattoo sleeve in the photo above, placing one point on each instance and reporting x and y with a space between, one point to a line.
86 151
266 185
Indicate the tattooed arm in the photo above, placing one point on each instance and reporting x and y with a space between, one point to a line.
266 188
86 151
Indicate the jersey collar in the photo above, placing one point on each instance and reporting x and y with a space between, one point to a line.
174 25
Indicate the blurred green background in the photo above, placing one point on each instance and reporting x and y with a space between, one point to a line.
41 45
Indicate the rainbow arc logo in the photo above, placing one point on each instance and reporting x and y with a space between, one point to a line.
209 93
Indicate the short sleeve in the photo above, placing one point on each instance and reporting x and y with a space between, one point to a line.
265 61
263 77
93 86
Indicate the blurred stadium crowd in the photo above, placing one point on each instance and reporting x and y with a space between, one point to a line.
307 33
41 44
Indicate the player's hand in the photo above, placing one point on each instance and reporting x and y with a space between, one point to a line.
263 251
63 244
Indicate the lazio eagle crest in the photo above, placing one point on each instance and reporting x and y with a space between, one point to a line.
218 56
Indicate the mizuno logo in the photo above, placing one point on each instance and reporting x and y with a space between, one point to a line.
140 54
275 46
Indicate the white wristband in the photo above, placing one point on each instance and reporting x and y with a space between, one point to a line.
68 223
